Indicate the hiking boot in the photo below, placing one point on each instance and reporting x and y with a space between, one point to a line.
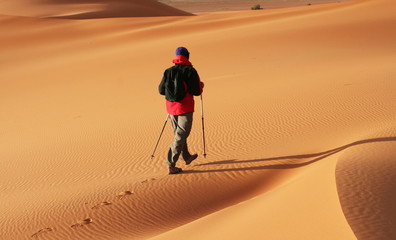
174 170
191 158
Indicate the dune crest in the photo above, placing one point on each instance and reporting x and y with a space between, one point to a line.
88 9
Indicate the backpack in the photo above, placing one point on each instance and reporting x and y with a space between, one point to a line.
175 85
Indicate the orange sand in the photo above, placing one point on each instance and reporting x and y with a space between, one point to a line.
300 114
196 6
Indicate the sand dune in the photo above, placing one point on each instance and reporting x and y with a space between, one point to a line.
299 119
83 9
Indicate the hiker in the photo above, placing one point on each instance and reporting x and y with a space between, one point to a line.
179 84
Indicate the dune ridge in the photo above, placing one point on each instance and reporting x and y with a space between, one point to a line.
88 9
294 98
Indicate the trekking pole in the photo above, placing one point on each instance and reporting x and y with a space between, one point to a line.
203 128
156 145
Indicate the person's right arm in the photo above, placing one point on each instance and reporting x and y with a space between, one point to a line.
161 87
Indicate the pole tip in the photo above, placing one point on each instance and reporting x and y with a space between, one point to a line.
204 155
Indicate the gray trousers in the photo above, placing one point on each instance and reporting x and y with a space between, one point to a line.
181 125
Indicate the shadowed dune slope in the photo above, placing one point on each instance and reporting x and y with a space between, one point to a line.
86 9
298 102
366 186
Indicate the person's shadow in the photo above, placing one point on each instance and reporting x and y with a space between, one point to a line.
316 157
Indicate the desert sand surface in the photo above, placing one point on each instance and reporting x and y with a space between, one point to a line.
197 6
300 122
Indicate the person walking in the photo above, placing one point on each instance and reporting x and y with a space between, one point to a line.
180 83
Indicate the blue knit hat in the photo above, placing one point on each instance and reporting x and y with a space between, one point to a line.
182 51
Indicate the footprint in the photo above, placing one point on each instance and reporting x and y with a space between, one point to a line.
101 204
147 180
121 195
82 223
41 231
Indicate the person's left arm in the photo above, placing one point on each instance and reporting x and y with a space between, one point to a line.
194 84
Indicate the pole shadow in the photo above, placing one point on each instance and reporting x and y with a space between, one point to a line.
316 157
